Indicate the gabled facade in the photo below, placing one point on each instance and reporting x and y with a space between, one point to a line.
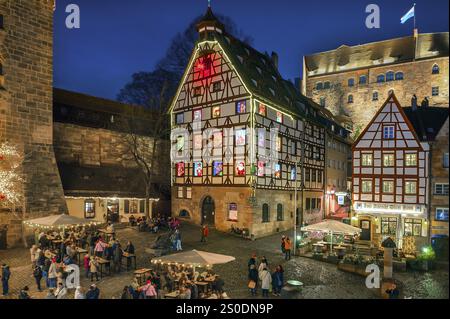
390 178
242 138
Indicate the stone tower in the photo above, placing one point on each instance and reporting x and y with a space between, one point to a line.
26 81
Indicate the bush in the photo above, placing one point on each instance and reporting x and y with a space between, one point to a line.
427 254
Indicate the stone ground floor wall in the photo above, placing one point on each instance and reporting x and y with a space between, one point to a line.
250 210
13 225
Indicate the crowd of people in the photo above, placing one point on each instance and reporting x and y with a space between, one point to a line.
259 275
178 279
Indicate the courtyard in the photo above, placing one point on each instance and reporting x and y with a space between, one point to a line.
321 280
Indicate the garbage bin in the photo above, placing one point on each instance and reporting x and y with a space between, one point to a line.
292 290
440 246
3 233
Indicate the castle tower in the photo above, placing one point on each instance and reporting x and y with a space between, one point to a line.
26 81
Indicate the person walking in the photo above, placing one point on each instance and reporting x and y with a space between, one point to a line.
287 248
52 274
205 233
283 239
37 274
266 282
252 261
5 275
93 268
263 264
178 240
117 256
253 279
278 280
86 260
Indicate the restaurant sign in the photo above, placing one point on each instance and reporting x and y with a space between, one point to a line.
384 208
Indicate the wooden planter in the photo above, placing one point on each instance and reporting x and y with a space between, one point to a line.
356 269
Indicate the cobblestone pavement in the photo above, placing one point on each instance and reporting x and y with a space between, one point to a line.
320 280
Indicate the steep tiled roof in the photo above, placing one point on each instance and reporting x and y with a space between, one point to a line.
427 121
344 58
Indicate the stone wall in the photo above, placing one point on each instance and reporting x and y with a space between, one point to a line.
439 174
26 53
418 79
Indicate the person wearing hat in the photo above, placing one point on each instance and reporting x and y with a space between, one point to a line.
5 275
93 293
23 294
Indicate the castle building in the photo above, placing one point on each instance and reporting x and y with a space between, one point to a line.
351 81
100 177
26 80
391 174
244 140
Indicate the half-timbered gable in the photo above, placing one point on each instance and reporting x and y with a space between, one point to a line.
390 176
242 133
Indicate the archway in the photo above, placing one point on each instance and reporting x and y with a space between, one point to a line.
208 211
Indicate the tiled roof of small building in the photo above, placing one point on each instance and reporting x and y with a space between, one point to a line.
427 121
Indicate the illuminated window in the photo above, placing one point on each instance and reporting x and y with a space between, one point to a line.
388 187
198 169
413 227
180 193
389 226
366 160
217 168
445 160
442 214
279 117
262 109
398 76
240 168
351 82
240 137
217 140
277 170
197 115
410 187
180 143
366 186
389 132
435 69
89 208
240 107
261 168
216 111
380 78
293 173
411 159
279 143
180 169
189 192
388 160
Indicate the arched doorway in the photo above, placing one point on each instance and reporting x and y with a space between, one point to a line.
208 209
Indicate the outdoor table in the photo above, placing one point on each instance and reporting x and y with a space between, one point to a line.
129 257
103 262
172 295
203 285
318 248
140 273
80 251
56 243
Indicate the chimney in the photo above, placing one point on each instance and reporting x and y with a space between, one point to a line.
275 59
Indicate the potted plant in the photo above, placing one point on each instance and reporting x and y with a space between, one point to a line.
425 261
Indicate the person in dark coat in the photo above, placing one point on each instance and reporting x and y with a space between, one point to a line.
277 280
23 294
37 274
252 261
253 277
5 275
93 293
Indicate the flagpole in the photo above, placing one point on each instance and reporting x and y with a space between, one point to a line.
414 16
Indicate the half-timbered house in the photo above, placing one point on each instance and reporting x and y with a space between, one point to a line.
391 167
243 139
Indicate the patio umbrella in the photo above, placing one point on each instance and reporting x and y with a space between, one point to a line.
196 258
333 227
58 221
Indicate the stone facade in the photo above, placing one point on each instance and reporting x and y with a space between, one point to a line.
26 55
249 208
418 78
439 174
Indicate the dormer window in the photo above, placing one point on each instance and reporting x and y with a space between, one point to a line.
389 132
